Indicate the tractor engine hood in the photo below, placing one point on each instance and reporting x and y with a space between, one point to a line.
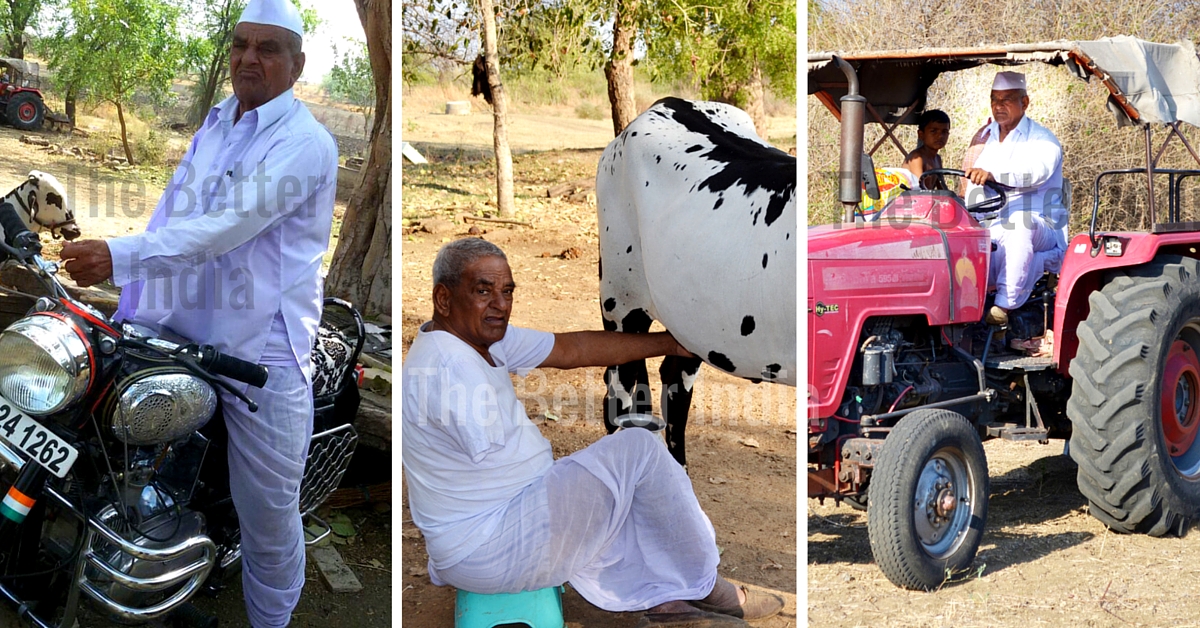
924 257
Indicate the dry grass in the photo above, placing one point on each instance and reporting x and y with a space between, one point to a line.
1043 562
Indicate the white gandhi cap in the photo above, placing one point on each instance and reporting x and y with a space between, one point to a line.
280 13
1008 80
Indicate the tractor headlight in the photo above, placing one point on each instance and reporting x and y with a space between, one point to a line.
45 364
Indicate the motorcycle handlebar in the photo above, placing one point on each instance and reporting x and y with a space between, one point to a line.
16 234
219 363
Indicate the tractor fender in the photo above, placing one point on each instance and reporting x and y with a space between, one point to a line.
1083 273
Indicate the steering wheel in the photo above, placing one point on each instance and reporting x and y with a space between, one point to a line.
984 206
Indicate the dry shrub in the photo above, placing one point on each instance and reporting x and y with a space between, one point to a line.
588 110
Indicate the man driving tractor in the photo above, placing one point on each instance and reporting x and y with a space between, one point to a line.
1030 234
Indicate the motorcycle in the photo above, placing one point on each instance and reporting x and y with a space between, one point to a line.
113 452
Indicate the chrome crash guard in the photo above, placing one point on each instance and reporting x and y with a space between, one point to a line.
97 533
329 455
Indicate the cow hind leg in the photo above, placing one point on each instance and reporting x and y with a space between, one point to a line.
627 385
678 374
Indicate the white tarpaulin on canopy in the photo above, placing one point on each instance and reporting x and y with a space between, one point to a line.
1160 81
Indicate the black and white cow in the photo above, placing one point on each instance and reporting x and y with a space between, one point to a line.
41 202
697 217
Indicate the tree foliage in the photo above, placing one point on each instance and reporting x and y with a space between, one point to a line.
720 44
108 50
438 36
554 35
351 81
16 17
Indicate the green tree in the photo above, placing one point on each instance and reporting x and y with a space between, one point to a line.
17 16
556 36
351 81
731 48
437 37
108 50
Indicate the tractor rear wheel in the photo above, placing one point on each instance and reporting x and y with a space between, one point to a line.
928 499
25 111
1135 399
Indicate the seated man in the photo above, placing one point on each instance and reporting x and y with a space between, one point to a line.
933 131
1030 235
618 519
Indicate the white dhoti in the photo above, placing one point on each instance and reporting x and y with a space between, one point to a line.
267 450
1026 246
618 520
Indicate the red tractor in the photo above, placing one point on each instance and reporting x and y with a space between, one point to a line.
21 100
906 381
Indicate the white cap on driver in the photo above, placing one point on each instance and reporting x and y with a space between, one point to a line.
1008 80
280 13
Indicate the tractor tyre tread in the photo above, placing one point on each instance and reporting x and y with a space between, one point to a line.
890 526
1124 471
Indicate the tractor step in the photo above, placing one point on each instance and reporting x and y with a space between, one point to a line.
1010 431
1018 363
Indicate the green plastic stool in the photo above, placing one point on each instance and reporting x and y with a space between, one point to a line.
536 609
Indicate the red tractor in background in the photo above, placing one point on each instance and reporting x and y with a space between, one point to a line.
21 101
906 381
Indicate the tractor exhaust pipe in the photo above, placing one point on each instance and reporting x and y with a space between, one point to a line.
853 108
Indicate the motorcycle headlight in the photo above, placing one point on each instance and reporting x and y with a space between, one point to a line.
45 364
159 405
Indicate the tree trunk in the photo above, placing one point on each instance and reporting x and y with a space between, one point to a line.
749 96
217 71
124 134
20 12
504 173
206 93
361 271
69 105
755 98
619 68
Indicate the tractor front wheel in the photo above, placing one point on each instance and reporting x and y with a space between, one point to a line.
928 499
1135 399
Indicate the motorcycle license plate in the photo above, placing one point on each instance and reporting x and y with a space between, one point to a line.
39 443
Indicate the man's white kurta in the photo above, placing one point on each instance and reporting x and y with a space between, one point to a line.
618 520
469 448
1031 232
239 233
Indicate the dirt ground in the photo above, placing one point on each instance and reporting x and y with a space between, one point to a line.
1043 561
749 492
110 203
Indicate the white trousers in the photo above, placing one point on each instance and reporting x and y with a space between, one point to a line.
1026 246
267 450
618 520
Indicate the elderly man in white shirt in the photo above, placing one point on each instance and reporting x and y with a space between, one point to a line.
232 257
618 519
1031 232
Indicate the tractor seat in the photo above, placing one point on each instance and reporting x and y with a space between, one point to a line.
1051 261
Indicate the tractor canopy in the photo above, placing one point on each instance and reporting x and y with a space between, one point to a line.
22 73
1147 82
